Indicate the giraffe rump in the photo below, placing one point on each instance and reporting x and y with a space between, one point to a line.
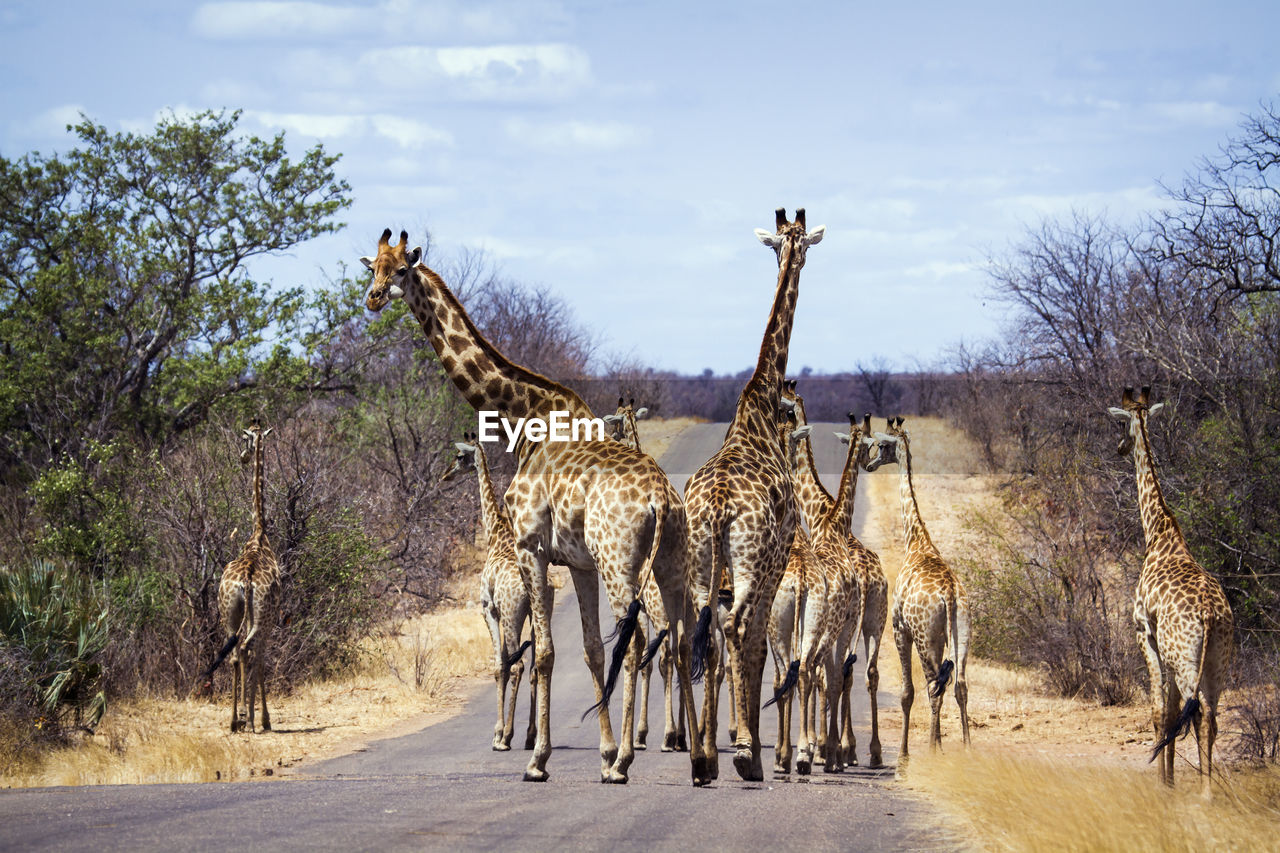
1180 727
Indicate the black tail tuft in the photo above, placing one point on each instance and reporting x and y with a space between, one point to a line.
624 631
793 675
944 676
222 655
1180 727
652 648
511 659
701 644
849 662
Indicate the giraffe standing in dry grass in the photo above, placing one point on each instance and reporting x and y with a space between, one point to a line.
597 506
248 595
624 428
503 597
742 516
929 606
831 521
1184 623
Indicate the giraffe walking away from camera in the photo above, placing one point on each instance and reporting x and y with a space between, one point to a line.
742 515
929 607
248 595
1184 624
623 427
503 597
599 507
860 575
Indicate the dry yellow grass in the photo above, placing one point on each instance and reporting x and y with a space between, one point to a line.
1023 804
656 434
416 668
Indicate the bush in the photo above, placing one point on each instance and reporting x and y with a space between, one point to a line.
53 624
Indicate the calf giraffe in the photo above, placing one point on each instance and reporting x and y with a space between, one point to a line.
868 611
503 597
742 515
247 597
929 604
1184 623
597 506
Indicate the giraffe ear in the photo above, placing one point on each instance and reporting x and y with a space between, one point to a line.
1118 413
815 236
612 419
770 239
1157 407
411 258
368 262
843 436
789 405
267 432
642 413
801 432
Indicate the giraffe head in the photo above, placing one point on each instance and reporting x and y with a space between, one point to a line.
252 437
391 268
790 434
1134 410
859 433
465 460
622 423
886 444
790 238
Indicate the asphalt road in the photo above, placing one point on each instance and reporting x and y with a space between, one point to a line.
443 788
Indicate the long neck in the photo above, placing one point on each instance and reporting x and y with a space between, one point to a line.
913 528
495 520
815 501
842 512
486 378
259 514
1158 522
631 430
758 405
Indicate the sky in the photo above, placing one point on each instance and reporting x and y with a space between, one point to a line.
621 153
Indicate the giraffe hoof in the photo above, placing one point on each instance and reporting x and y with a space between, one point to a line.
639 745
804 766
499 746
744 763
613 777
682 743
536 775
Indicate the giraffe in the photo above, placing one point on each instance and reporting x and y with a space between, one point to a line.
929 603
1184 624
868 614
248 595
597 506
742 514
503 597
624 428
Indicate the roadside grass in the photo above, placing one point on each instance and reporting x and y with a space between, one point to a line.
413 668
656 434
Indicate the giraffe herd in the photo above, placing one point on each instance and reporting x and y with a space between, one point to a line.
755 554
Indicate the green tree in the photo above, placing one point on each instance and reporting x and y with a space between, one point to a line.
126 306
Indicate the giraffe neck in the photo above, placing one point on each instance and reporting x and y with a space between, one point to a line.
815 502
486 378
259 513
1158 523
842 512
757 411
913 528
495 520
631 430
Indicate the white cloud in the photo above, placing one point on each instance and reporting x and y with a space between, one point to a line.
404 132
578 135
497 72
277 20
51 122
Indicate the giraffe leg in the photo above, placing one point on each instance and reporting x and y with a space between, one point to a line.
630 675
646 675
833 686
805 745
871 649
533 570
262 684
531 733
251 680
237 676
747 757
587 584
903 640
499 671
1155 672
960 647
673 722
511 670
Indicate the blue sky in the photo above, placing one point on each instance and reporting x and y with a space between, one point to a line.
622 152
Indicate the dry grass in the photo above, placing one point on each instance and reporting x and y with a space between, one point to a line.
415 668
1003 802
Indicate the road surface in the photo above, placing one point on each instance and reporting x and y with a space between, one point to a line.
443 788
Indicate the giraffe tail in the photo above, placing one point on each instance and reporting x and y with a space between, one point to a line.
625 630
510 660
849 662
944 671
793 675
221 656
701 640
652 648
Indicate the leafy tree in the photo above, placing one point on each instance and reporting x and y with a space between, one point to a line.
125 300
